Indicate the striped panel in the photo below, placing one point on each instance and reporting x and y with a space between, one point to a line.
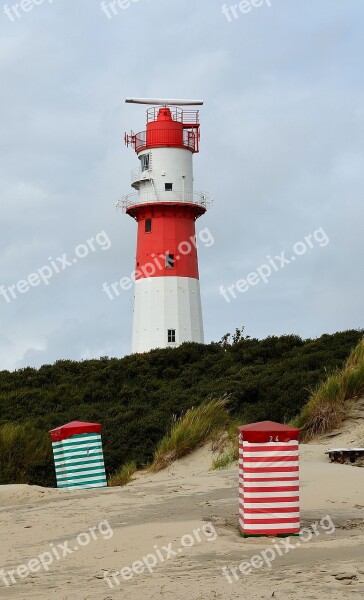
259 454
82 487
256 486
282 509
279 521
90 474
271 530
268 445
79 462
270 475
269 488
277 493
247 530
79 438
79 453
268 504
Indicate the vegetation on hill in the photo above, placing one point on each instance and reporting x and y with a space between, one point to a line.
135 397
25 453
327 407
190 431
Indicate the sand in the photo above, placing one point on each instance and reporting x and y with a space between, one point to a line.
164 510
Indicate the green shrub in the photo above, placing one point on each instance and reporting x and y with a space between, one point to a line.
25 453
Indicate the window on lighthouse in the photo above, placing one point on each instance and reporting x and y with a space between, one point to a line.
171 336
144 161
168 187
148 225
169 261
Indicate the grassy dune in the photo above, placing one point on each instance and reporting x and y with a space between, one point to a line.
328 404
123 476
193 429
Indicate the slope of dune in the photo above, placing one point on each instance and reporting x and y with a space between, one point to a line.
351 433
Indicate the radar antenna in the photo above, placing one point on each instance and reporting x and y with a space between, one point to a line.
164 101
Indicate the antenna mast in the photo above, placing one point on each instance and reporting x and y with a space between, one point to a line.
164 101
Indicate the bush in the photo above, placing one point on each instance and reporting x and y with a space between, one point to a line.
25 453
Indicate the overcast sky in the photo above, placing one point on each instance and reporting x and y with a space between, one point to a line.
281 152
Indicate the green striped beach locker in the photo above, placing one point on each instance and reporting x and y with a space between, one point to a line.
78 456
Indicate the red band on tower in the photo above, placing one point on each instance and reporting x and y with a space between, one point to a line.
166 245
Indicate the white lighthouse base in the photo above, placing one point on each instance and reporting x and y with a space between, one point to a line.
163 305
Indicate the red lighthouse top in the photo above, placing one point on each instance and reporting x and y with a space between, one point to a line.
168 127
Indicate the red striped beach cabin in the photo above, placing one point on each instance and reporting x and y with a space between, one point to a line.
268 479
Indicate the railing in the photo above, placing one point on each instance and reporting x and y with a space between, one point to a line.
140 141
135 175
151 197
182 116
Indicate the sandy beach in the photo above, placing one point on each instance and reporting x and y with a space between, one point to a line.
185 519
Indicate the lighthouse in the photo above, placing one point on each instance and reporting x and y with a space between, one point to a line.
167 301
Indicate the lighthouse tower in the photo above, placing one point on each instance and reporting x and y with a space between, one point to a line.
167 302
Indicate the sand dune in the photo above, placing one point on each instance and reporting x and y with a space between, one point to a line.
185 505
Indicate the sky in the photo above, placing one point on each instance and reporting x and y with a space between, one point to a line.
282 132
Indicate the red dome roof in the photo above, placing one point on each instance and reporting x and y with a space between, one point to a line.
73 428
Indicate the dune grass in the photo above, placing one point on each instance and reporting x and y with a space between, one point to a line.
23 449
328 405
123 476
190 431
225 459
229 448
